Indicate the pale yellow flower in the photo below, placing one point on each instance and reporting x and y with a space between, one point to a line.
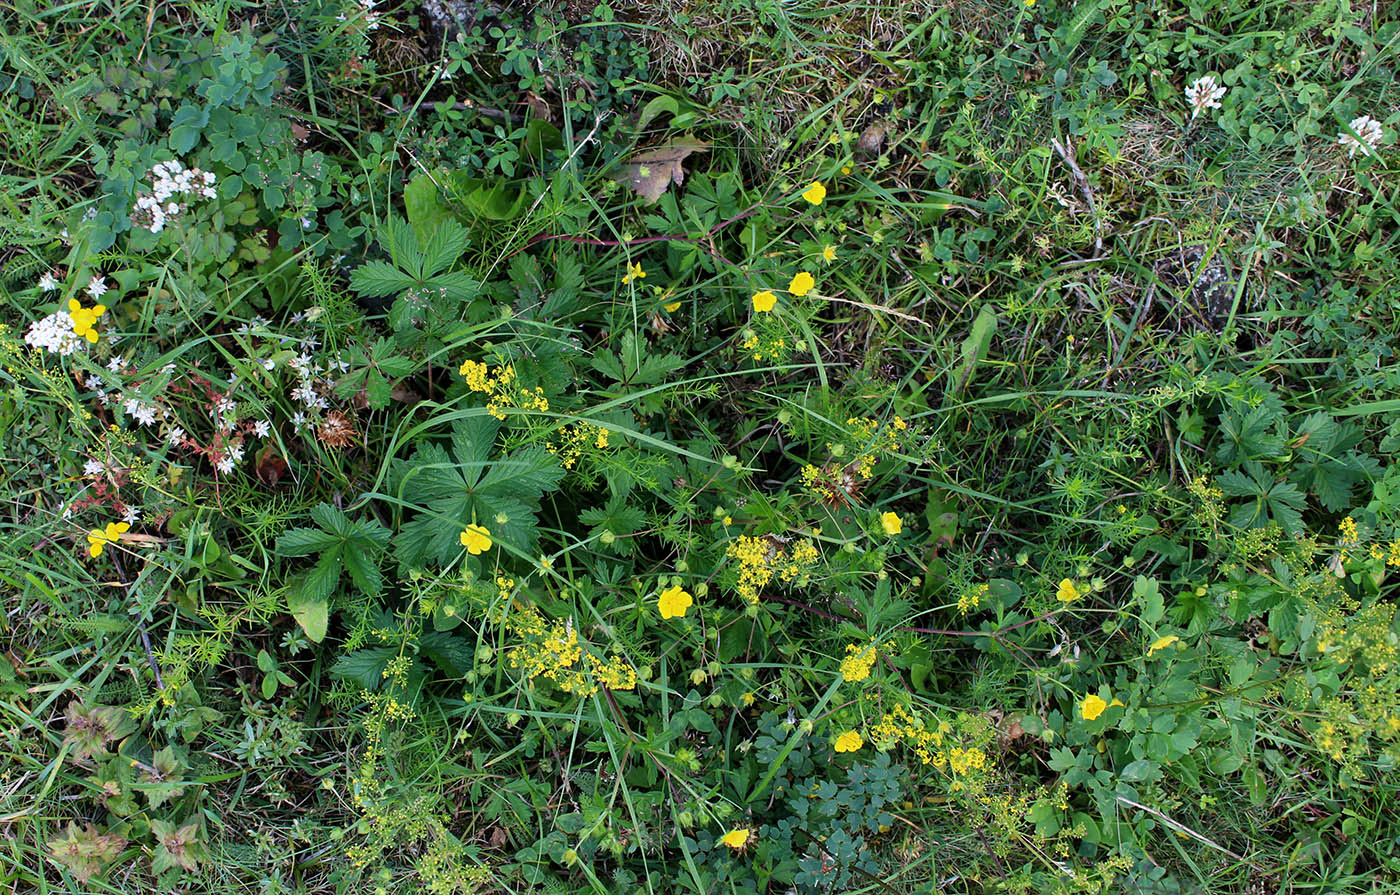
634 272
1162 643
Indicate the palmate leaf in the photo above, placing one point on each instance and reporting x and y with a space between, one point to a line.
463 487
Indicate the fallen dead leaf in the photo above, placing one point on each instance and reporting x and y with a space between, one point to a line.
650 173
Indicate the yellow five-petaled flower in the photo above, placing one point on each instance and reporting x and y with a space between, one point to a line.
764 301
802 283
815 193
892 524
100 537
1068 592
84 319
736 839
1092 706
850 741
476 539
673 602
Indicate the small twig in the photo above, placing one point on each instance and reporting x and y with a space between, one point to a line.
1066 152
141 626
1187 831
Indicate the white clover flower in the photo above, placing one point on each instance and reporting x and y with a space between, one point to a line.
55 335
1204 93
1365 135
48 282
97 286
262 428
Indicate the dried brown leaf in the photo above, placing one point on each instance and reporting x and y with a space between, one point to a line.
650 173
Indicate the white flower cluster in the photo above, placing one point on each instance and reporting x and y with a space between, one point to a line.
170 181
1204 93
1366 134
54 334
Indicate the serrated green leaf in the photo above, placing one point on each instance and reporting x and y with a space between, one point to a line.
305 541
364 571
375 279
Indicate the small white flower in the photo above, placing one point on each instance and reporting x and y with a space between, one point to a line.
93 382
48 282
97 286
93 467
54 334
1366 134
116 364
175 437
225 464
299 420
236 451
131 516
1204 93
269 364
262 428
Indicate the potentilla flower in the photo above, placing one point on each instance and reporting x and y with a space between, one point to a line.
1092 706
1204 93
802 283
673 602
815 193
48 282
1366 134
97 286
891 523
477 539
764 301
850 741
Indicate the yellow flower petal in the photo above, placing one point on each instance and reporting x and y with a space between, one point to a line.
892 524
829 253
736 839
802 283
1092 707
673 602
815 193
764 301
850 741
672 307
476 539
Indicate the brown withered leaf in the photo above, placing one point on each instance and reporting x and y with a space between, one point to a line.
271 467
651 172
871 139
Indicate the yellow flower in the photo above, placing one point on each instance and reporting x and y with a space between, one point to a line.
476 539
850 741
764 301
801 284
892 524
736 839
84 319
673 602
1068 593
99 537
828 253
634 272
815 193
1092 707
672 307
845 169
1030 4
1162 643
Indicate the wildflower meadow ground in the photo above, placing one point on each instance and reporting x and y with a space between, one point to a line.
699 447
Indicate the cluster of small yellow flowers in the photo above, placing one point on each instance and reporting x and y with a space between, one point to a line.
971 598
965 761
760 559
502 388
552 650
774 349
1362 637
899 726
872 438
575 440
1389 553
838 480
860 658
1210 501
